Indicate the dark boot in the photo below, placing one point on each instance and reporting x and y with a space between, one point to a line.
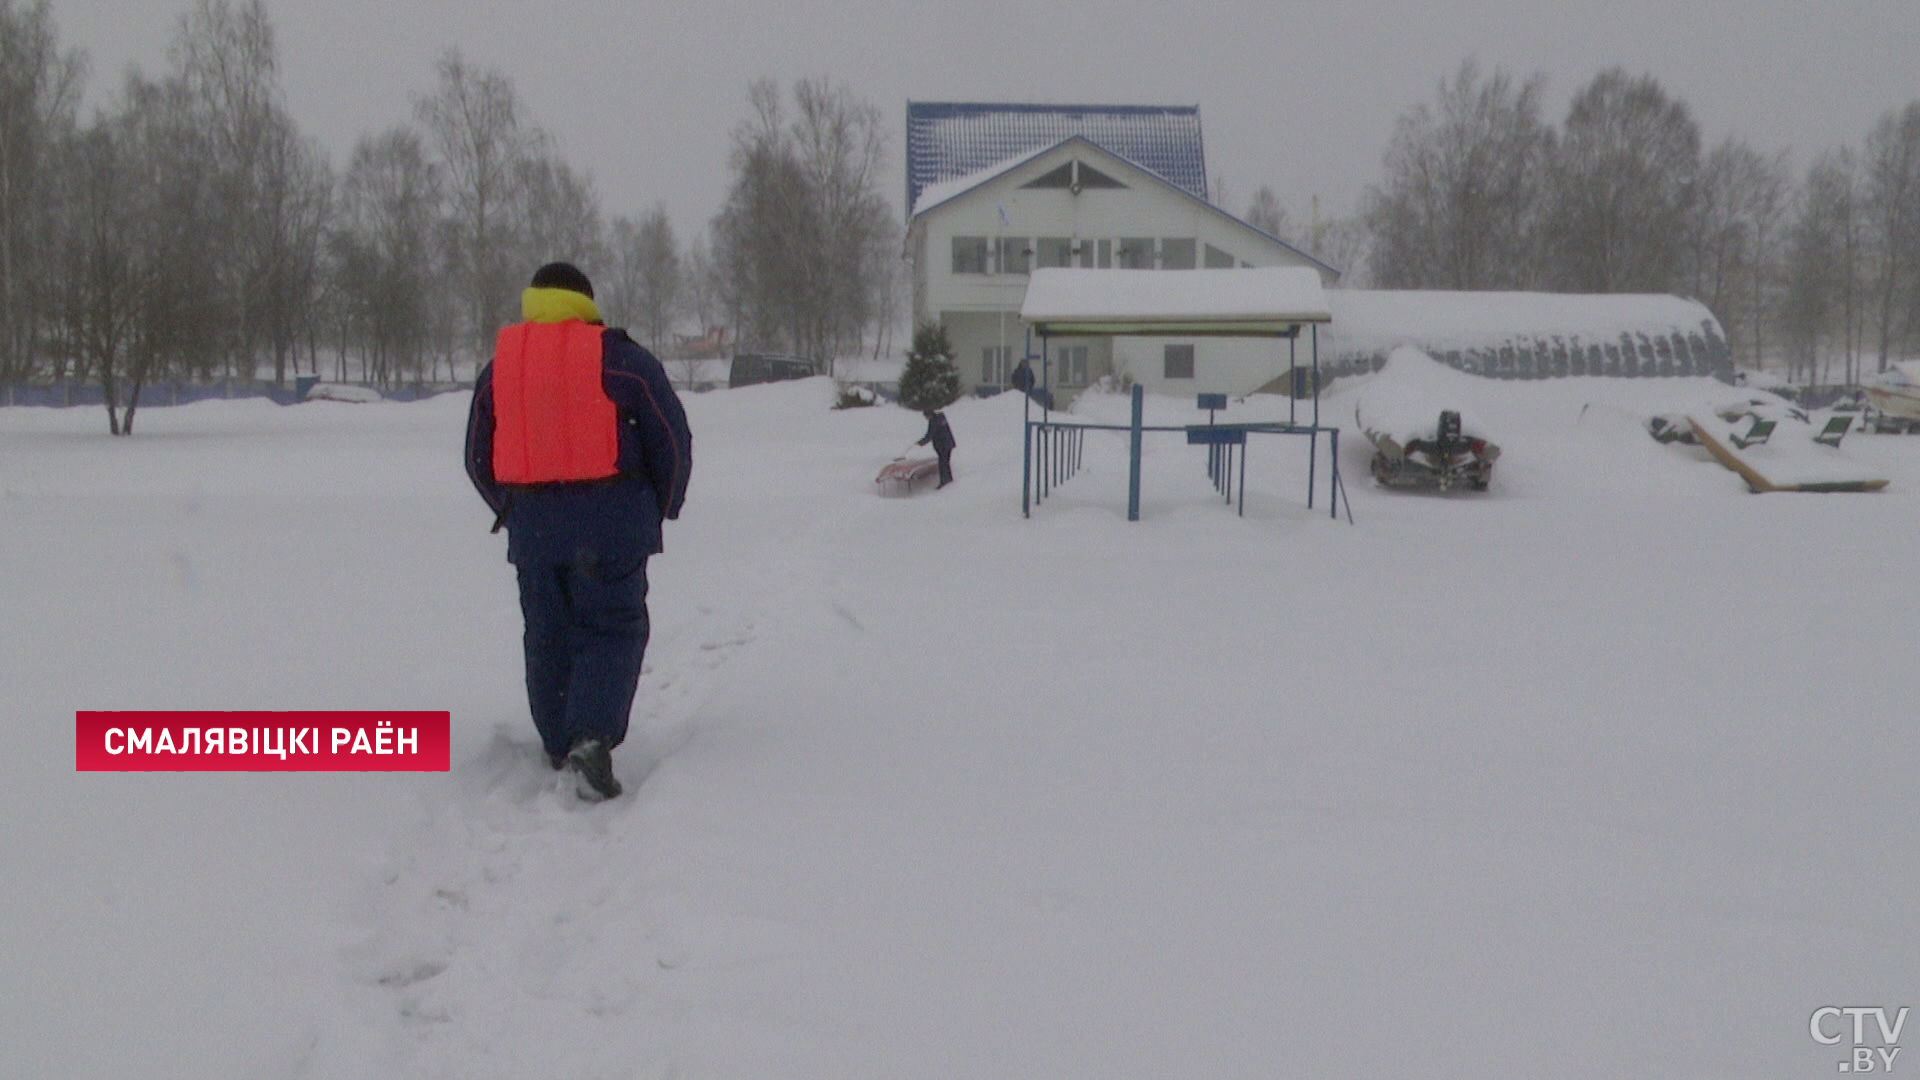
593 764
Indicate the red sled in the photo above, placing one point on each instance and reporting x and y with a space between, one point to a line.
899 477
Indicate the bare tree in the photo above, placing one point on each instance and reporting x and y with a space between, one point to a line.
39 94
1346 244
1462 188
648 280
1266 214
842 148
561 212
1892 203
1766 204
702 291
1849 224
293 198
891 291
1820 312
384 251
137 295
1734 241
225 60
1623 180
766 232
474 123
95 268
799 239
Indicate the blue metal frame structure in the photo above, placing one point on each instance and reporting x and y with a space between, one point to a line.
1053 449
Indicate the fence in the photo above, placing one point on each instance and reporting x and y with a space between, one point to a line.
71 394
1053 454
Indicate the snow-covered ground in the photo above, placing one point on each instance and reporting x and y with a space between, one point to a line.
1608 772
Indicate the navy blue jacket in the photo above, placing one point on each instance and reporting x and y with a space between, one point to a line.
938 433
598 521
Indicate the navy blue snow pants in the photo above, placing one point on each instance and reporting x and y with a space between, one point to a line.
586 634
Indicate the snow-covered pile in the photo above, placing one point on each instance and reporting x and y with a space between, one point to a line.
1404 400
1902 373
1606 773
347 392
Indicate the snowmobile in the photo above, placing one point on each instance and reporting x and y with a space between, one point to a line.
1446 460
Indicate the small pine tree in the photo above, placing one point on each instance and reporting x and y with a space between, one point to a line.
930 380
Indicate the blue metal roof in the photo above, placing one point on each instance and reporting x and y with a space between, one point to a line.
946 140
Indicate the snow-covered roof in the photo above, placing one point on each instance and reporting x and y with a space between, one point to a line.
1239 302
934 194
1468 317
948 140
1529 334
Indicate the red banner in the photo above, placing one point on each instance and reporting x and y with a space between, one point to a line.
262 741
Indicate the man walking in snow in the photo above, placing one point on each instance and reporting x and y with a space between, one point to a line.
578 443
941 436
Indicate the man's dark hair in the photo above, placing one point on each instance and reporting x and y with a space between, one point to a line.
563 275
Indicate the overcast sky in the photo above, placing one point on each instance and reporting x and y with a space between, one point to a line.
1302 96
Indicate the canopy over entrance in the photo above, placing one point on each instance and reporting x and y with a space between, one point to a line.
1249 302
1270 301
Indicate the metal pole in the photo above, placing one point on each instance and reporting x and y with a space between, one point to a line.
1046 377
1293 387
1333 482
1313 448
1313 456
1316 374
1243 476
1026 472
1047 458
1026 454
1133 455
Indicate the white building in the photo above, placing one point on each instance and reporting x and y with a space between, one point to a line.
996 191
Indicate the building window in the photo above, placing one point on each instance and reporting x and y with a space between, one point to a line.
1179 361
969 254
1053 251
1218 260
1071 362
1014 254
1136 253
996 362
1106 254
1177 253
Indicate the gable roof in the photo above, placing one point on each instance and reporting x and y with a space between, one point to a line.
948 140
947 190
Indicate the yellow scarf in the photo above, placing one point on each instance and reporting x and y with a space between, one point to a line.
557 305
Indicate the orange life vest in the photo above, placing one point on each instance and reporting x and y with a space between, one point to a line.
552 418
